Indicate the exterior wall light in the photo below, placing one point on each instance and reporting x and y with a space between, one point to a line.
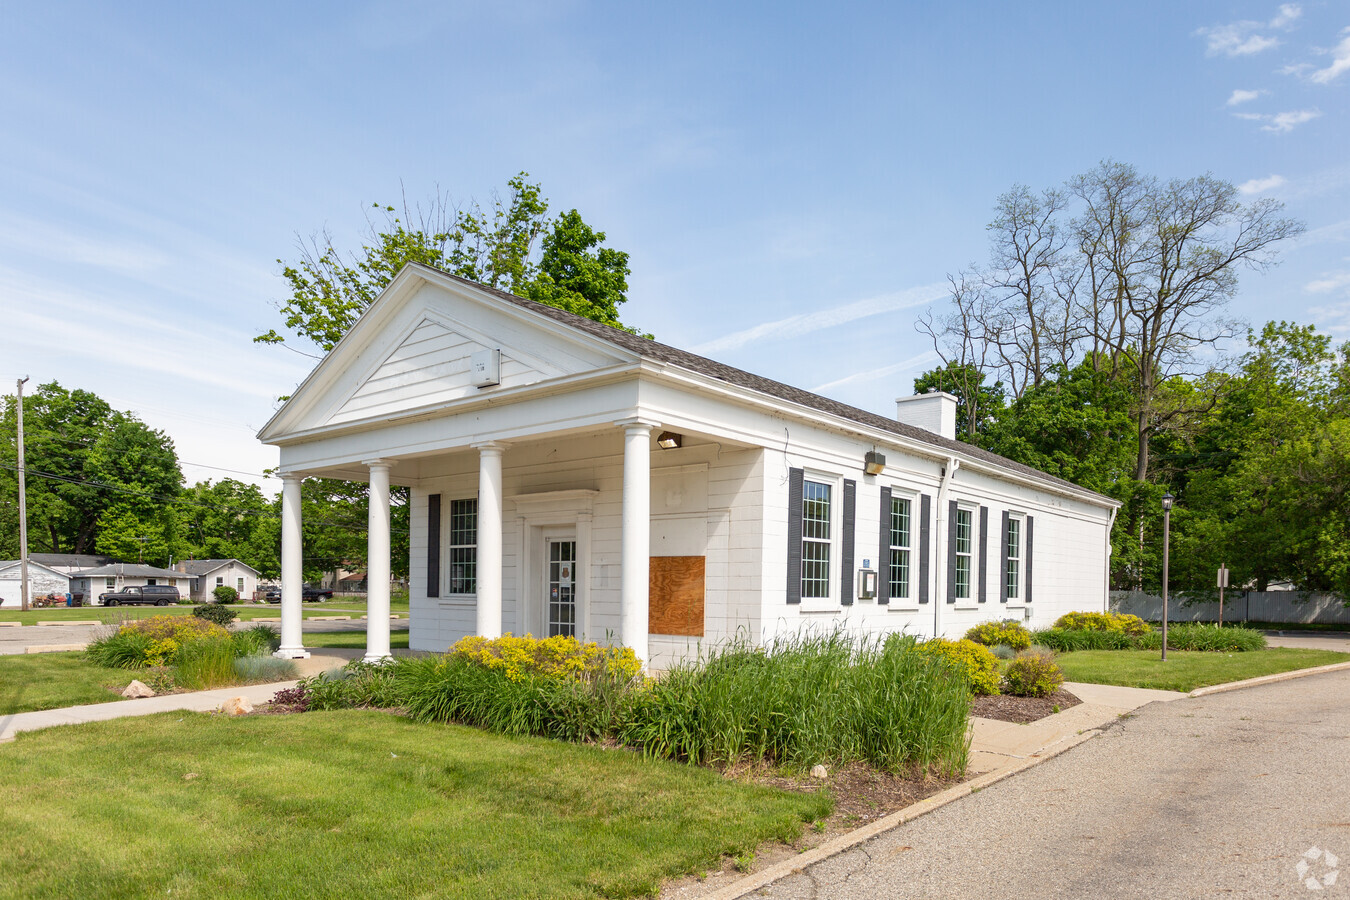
669 440
874 462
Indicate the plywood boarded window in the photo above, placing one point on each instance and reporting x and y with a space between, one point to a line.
675 595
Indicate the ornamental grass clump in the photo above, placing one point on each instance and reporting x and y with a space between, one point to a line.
1008 632
205 663
1206 637
1067 640
807 699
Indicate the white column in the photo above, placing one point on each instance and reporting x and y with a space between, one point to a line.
636 547
292 569
377 563
489 567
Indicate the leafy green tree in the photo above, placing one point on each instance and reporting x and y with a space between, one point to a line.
139 469
230 519
499 248
334 518
977 403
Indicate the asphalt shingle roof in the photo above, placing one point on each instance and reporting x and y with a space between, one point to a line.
202 566
127 570
664 353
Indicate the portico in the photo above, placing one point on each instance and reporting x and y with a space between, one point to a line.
539 517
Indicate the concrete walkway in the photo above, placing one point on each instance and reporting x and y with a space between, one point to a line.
196 701
996 745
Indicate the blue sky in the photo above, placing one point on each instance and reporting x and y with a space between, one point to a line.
793 182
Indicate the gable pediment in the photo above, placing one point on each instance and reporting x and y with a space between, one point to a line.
412 351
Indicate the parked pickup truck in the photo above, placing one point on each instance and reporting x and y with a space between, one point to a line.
145 595
307 594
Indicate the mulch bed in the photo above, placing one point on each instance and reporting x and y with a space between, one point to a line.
1022 709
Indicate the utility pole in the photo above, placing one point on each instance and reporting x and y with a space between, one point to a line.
23 508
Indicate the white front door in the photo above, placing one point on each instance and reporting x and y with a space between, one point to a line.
560 587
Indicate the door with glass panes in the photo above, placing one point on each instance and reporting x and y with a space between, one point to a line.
560 587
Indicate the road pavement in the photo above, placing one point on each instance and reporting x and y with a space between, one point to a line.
1238 794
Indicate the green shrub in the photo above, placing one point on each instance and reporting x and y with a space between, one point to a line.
206 663
976 661
1032 674
1096 621
221 615
225 594
357 685
256 640
1008 632
264 669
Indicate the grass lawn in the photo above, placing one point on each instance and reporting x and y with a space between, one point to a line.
53 680
351 640
360 804
1186 670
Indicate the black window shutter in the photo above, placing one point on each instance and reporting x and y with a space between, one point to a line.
1003 560
925 510
794 537
884 550
850 517
1026 588
951 551
984 550
434 545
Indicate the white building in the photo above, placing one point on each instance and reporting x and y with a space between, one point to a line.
43 580
567 477
209 574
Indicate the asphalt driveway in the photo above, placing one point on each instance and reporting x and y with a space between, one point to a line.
1239 794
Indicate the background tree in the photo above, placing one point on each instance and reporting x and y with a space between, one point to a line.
498 247
976 402
97 479
230 519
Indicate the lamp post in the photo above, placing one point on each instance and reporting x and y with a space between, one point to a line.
1167 499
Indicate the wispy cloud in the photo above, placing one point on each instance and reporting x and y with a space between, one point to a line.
1247 37
1333 282
927 358
1280 123
1261 185
1335 320
1340 62
1241 96
796 326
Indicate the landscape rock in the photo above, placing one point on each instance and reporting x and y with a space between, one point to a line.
819 771
236 706
138 689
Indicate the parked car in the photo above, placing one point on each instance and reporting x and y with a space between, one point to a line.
143 595
308 594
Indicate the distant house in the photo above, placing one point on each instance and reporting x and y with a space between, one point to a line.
209 574
115 576
68 563
42 580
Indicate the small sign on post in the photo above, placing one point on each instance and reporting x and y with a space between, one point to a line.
1222 583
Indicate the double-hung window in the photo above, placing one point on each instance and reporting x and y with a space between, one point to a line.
464 546
964 544
817 507
898 569
1012 575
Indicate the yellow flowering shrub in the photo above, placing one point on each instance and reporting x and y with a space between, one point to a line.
1008 632
1095 621
976 660
180 629
555 657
